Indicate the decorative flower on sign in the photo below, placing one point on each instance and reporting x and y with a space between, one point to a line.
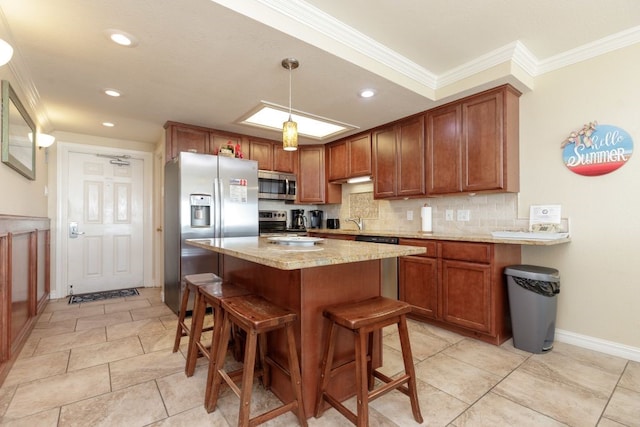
582 136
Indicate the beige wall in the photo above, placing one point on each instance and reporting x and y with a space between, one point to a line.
600 283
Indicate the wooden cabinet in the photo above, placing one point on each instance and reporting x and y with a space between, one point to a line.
284 161
349 158
219 139
459 286
399 159
472 144
181 137
312 184
261 151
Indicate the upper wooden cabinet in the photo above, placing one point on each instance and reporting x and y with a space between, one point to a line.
472 144
261 151
349 158
399 159
284 161
312 183
185 138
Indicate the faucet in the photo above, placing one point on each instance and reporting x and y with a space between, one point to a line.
358 221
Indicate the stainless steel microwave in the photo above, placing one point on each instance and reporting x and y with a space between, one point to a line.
276 185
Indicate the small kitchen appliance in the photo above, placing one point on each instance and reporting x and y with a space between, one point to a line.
316 218
298 220
333 223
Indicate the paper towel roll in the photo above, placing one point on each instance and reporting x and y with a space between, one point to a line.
425 214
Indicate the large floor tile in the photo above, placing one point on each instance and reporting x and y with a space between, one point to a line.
53 328
437 407
47 418
485 356
153 311
126 306
38 367
139 369
631 377
137 327
181 393
567 403
494 410
51 344
52 392
105 352
459 379
624 407
423 343
156 341
138 405
103 320
196 417
76 313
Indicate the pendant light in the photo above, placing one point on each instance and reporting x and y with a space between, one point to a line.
290 128
6 52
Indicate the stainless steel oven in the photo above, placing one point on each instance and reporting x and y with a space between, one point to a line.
272 222
276 185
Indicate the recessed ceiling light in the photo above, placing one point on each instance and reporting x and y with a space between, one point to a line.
367 93
108 124
122 38
272 116
112 92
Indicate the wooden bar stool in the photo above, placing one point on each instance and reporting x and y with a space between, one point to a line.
209 295
256 316
363 318
192 283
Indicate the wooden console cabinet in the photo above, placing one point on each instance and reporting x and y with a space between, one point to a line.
24 281
459 286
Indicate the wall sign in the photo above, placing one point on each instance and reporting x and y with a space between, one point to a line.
596 149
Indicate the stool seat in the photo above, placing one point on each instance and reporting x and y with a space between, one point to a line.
364 318
367 312
256 316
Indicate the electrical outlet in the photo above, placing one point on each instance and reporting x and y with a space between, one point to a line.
448 215
410 215
463 215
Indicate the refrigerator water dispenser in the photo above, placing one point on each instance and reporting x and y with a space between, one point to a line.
200 210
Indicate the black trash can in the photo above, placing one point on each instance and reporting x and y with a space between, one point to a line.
533 302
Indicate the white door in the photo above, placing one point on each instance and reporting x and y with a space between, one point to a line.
105 207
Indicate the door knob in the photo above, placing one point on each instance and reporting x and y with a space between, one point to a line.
73 230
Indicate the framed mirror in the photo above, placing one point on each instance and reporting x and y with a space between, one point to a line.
18 135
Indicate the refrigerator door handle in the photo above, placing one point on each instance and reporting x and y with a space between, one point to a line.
217 209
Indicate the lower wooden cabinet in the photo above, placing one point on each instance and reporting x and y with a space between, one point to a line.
460 286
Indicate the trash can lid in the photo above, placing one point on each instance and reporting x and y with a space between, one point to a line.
533 272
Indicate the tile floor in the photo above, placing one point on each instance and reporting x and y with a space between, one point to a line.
110 364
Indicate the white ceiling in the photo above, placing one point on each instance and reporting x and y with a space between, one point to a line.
209 62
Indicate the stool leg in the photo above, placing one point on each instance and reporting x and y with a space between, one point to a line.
327 362
362 390
181 315
247 378
370 378
214 379
294 369
218 320
264 367
403 332
195 332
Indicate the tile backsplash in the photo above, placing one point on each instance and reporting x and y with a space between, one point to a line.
486 212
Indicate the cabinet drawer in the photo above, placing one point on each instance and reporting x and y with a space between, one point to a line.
475 252
428 244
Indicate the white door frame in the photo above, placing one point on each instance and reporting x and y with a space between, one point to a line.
59 288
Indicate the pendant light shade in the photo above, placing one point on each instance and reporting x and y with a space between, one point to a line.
290 128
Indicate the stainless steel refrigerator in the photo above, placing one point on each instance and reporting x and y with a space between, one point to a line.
204 197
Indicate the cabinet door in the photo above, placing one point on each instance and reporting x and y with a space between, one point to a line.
443 129
360 155
482 142
338 161
411 158
311 183
466 295
262 152
283 161
184 138
384 163
418 284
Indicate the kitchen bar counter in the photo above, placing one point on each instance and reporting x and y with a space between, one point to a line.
306 280
291 257
481 238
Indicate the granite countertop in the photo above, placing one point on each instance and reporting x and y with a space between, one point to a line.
261 250
482 238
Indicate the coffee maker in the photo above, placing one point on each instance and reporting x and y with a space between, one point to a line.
298 220
316 218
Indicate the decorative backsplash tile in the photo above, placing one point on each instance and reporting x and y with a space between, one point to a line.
363 205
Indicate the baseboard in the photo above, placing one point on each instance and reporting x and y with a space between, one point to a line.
596 344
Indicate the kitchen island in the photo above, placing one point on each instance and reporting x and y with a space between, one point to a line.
306 279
